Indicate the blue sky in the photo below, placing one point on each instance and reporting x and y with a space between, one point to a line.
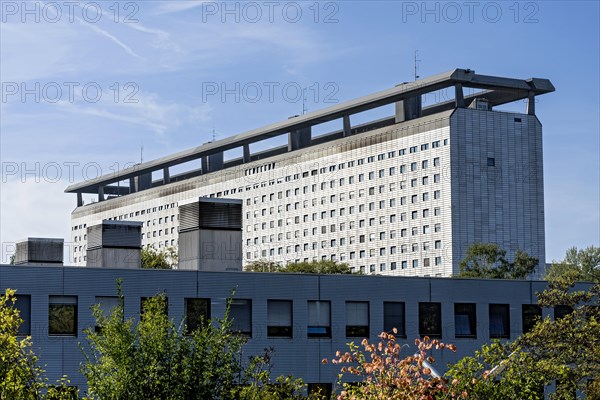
85 85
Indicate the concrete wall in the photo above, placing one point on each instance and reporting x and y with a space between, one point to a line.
503 203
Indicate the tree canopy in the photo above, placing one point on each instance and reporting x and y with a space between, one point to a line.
305 267
154 259
21 378
579 264
488 260
564 350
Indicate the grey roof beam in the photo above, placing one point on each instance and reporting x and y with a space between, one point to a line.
403 91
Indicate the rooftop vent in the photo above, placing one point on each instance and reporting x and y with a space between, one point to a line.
210 235
39 251
114 244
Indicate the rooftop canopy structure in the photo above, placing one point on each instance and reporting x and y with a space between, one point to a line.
493 90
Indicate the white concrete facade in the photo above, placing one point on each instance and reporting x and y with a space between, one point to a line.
406 199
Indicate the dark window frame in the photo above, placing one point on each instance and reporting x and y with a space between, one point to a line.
529 312
360 331
503 310
432 326
53 308
319 331
389 324
204 315
238 302
469 310
281 331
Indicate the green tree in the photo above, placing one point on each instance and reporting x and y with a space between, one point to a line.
488 260
305 267
564 350
155 359
580 265
263 265
20 376
256 382
153 259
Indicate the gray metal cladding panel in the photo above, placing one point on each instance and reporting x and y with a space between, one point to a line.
109 235
189 217
47 251
121 236
220 216
94 235
22 252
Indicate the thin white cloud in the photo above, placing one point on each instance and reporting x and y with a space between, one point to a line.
173 6
113 38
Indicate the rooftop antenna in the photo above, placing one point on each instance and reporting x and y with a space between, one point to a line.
214 135
416 64
304 109
141 153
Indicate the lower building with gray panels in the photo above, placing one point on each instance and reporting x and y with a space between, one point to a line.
304 317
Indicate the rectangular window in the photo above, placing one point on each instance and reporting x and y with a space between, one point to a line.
319 319
279 318
393 317
107 304
62 315
465 320
491 162
197 313
499 321
23 304
240 311
430 319
357 319
562 311
531 313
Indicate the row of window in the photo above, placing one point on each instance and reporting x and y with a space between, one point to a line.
62 317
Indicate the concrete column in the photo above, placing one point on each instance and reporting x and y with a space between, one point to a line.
101 193
299 139
459 96
408 109
166 176
531 104
132 188
247 155
79 199
204 164
347 126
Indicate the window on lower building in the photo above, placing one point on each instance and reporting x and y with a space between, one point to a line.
107 304
499 321
23 304
62 315
320 390
465 320
319 319
357 319
240 312
430 319
530 314
562 311
393 317
491 162
197 313
279 318
162 304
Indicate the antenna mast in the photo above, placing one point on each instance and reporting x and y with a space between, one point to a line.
304 109
416 60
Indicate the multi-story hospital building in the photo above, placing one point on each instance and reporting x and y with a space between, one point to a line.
402 195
